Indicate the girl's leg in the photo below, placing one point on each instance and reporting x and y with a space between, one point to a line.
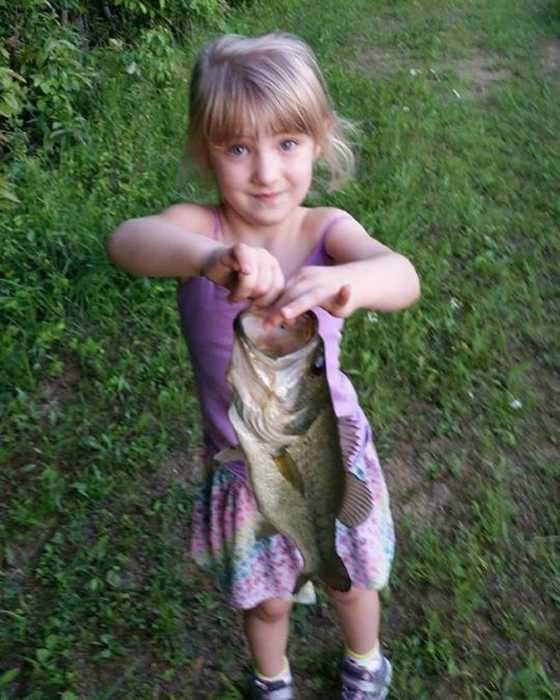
366 673
266 628
358 612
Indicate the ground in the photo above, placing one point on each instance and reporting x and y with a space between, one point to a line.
457 109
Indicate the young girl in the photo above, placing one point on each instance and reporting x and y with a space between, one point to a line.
260 120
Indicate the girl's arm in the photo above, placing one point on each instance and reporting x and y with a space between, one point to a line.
366 274
381 279
164 245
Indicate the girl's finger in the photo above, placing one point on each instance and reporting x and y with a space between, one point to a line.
299 305
274 318
242 258
262 285
274 289
285 297
243 286
228 260
343 295
279 284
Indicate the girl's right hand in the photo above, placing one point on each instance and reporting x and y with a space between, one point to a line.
248 272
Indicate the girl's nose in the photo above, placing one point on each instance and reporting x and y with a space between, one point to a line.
265 168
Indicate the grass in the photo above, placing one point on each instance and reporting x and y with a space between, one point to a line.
459 169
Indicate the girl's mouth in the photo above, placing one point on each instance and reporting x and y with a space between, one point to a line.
266 196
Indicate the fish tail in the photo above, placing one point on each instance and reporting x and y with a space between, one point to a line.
334 574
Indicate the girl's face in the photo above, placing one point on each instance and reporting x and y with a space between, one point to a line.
266 176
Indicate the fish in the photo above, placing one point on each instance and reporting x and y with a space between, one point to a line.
282 414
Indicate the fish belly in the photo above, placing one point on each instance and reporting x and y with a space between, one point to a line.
306 516
279 501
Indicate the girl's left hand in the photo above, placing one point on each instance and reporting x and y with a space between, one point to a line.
312 286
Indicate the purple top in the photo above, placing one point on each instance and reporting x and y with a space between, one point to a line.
207 324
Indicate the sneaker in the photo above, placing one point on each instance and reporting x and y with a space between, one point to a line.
360 684
271 690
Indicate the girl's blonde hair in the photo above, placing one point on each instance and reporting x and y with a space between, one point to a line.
241 85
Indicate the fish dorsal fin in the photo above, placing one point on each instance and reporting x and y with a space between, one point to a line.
288 468
265 529
351 437
357 503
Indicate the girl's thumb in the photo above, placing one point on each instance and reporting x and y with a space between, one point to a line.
343 294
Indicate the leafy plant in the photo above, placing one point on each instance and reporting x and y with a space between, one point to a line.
49 59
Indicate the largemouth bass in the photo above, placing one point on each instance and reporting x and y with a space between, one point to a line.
283 416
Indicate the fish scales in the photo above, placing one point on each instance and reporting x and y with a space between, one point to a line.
287 430
320 463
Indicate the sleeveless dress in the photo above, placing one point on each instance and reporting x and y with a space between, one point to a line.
250 570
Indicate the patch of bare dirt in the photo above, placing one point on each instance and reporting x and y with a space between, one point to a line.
20 557
481 71
415 494
54 393
181 466
551 56
407 484
378 62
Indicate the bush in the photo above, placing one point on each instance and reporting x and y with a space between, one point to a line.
50 62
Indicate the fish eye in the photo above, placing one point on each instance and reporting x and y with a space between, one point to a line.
318 365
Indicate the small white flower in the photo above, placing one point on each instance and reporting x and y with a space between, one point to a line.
470 395
372 317
455 304
414 72
457 94
406 109
516 404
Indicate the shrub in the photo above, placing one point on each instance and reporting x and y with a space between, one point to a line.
50 61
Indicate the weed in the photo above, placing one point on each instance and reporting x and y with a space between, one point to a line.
99 419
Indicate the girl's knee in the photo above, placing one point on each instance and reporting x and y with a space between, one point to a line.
349 597
273 610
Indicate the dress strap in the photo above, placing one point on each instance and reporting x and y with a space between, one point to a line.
327 227
217 227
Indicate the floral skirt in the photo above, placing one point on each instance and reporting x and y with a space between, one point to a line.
251 569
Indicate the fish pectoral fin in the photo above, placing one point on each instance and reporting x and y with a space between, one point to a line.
357 503
264 530
288 468
335 575
229 454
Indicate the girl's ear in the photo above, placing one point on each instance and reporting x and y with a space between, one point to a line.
317 150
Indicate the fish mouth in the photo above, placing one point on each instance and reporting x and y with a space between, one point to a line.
281 341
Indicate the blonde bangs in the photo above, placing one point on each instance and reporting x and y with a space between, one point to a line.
239 106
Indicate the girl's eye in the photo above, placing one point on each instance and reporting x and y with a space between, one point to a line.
288 145
238 149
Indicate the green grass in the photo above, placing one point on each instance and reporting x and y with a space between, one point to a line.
99 598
